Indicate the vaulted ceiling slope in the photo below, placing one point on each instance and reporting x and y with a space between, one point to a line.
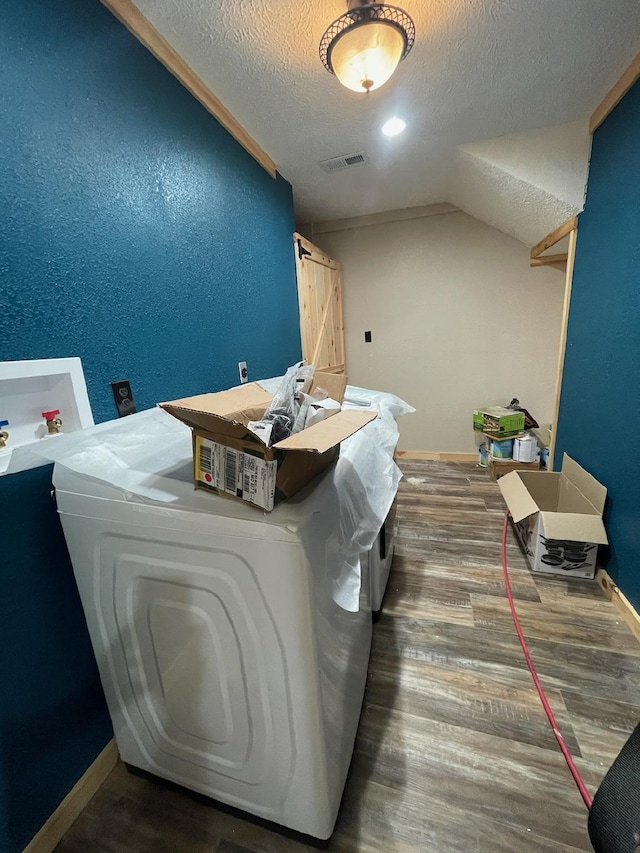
495 94
525 184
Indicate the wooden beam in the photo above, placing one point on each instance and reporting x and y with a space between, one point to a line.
146 33
620 600
545 260
616 94
555 237
335 368
325 317
563 343
313 253
48 837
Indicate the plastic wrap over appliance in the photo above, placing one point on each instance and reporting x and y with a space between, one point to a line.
146 458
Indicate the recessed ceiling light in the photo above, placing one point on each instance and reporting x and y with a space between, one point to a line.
393 126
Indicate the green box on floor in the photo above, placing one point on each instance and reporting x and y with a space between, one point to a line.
498 421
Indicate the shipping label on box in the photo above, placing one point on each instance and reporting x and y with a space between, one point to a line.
234 472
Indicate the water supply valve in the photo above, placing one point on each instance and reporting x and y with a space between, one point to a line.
53 421
4 435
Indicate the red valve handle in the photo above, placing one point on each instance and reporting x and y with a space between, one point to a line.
49 416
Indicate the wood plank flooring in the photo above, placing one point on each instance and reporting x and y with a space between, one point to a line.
454 753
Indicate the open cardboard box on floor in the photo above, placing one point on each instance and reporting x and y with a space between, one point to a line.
230 460
558 518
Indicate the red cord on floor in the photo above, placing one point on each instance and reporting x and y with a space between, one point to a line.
584 793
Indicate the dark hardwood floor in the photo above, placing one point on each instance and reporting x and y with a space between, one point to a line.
454 753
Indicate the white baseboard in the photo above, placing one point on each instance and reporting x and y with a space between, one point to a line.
50 834
436 456
617 597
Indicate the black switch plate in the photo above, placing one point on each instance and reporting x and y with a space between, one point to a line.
123 397
367 337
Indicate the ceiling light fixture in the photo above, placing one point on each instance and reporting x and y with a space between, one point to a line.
364 46
393 126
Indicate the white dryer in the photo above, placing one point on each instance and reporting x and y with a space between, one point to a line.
230 661
380 558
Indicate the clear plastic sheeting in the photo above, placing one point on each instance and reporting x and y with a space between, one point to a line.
133 453
284 409
146 458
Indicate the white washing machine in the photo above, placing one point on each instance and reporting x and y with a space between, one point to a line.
230 661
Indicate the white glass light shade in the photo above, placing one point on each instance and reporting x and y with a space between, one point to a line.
365 57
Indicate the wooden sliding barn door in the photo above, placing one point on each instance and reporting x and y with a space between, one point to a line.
320 301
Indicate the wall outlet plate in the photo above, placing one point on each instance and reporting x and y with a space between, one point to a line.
123 397
244 373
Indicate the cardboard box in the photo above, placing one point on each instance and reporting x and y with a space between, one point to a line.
498 422
499 467
558 518
232 461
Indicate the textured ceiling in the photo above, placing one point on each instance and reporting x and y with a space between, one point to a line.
480 69
525 184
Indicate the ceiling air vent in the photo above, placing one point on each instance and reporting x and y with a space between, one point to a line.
336 164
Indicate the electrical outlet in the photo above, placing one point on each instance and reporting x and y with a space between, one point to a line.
367 337
242 370
123 397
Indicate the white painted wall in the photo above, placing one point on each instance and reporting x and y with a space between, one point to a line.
458 319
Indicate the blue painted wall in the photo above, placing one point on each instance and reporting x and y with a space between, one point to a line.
136 234
600 402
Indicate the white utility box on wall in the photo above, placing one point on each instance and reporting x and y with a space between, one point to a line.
34 396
